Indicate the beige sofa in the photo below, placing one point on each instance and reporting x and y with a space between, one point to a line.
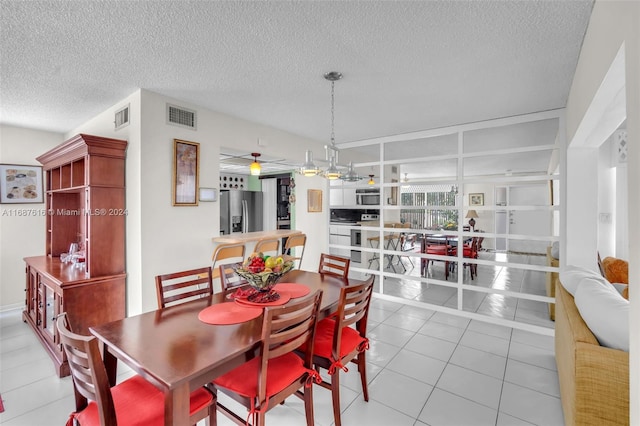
594 380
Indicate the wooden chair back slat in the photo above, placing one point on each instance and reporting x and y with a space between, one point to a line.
334 265
268 245
229 280
183 286
296 241
87 370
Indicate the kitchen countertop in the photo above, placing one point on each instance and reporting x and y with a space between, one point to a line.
254 236
377 223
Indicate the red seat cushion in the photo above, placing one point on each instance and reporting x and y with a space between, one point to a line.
139 403
350 340
439 249
281 372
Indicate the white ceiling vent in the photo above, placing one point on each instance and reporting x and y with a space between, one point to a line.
121 117
181 116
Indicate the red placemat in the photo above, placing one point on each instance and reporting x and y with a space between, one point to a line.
228 313
284 298
295 290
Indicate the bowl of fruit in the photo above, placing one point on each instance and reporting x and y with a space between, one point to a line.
262 271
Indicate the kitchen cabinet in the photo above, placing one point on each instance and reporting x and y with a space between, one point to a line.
342 194
85 203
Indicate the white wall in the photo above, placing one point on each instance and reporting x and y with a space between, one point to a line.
612 25
163 238
22 226
606 193
312 224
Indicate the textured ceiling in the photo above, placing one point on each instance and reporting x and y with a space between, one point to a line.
407 65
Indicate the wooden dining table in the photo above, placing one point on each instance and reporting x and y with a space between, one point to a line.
177 353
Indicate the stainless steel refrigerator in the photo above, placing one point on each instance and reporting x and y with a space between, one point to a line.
240 211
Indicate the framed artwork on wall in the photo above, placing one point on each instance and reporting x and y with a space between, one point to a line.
314 200
186 168
476 199
21 184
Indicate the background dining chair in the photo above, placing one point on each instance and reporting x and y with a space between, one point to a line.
342 338
268 379
225 254
229 280
470 251
179 287
270 246
134 401
334 265
296 242
438 250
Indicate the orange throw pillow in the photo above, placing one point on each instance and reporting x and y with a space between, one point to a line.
616 270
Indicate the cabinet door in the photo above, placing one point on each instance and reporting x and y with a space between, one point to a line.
31 297
49 306
349 196
336 197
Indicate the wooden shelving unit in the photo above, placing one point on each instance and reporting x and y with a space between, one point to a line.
85 201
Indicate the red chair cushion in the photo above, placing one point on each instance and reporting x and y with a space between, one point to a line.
439 249
139 403
323 344
281 372
466 252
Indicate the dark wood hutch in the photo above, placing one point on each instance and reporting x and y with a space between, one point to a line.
85 202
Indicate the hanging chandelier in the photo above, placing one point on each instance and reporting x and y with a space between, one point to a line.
331 151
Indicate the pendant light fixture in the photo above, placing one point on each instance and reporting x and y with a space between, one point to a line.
255 167
309 168
332 172
332 151
350 175
371 181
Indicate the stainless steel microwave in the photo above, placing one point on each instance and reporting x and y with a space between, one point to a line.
368 197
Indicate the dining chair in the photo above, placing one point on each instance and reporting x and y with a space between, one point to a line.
342 338
267 380
133 401
268 245
229 280
183 286
224 254
332 264
438 250
296 242
470 251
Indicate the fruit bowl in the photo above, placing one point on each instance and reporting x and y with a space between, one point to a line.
261 277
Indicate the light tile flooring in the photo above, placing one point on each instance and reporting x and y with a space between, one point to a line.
497 277
424 368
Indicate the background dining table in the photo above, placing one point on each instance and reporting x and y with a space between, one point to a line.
177 352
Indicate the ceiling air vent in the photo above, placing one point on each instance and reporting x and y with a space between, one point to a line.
121 118
181 116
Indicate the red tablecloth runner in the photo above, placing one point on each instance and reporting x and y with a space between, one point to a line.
295 290
228 313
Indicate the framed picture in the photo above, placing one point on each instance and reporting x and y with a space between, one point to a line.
314 200
476 199
186 168
21 184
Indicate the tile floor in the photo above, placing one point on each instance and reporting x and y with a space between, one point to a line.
497 277
424 368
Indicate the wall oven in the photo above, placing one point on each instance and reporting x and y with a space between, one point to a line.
368 197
